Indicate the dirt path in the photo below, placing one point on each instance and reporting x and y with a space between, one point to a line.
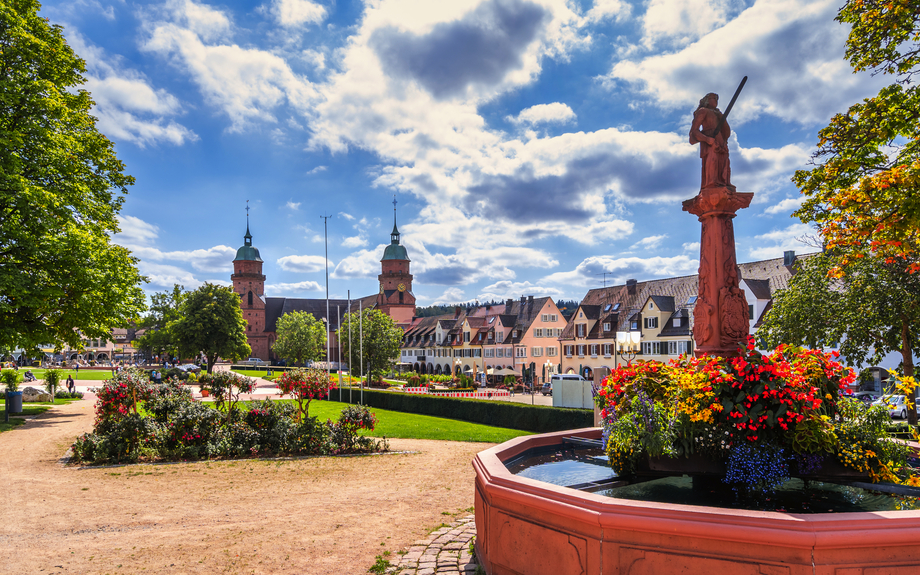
319 515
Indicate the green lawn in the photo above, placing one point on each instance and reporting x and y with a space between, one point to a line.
413 426
259 373
84 375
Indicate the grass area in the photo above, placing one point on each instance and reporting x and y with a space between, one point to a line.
413 426
84 375
258 373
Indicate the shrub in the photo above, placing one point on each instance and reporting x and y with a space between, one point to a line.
226 387
52 381
119 396
166 398
10 379
61 394
305 385
344 433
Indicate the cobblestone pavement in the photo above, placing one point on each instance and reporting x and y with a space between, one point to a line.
445 551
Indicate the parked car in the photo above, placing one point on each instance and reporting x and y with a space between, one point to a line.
896 405
189 367
253 361
867 396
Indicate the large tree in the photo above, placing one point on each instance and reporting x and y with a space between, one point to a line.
165 310
379 344
61 188
211 323
301 337
864 189
871 310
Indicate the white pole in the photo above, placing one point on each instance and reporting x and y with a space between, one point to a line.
326 239
361 336
351 347
338 318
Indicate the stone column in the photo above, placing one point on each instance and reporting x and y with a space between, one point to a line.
721 319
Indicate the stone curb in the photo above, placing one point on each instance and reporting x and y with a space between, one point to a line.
445 552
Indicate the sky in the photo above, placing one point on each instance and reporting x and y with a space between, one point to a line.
534 147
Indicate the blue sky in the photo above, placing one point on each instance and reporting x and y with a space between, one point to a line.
536 147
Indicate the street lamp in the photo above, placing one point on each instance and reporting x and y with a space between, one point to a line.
628 345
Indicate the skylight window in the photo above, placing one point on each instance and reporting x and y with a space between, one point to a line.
491 319
691 300
607 307
616 306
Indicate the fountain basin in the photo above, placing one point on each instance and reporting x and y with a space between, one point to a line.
524 526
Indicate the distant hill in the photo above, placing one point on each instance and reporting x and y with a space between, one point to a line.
566 307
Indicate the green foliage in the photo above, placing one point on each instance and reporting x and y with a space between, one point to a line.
10 378
165 309
871 310
343 434
301 337
535 418
226 387
863 189
212 323
52 380
379 345
61 189
305 385
380 566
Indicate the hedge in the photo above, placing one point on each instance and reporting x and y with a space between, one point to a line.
535 418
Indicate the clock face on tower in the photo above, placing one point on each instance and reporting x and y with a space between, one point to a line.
401 287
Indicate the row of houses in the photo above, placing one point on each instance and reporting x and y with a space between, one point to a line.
637 320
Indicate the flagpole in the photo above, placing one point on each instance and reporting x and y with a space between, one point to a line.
338 322
351 347
361 336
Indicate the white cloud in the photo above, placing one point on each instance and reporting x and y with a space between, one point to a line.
140 237
128 108
792 52
619 270
692 247
650 242
508 289
164 276
678 22
303 264
292 205
608 9
348 217
773 243
785 206
290 13
450 295
317 170
247 84
289 288
354 242
135 232
544 113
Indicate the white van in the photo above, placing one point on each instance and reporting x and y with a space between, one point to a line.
548 386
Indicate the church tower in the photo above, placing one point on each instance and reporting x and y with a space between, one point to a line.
395 298
249 283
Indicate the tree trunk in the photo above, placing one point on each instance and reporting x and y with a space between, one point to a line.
907 362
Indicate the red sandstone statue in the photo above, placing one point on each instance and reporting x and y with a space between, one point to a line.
711 131
721 318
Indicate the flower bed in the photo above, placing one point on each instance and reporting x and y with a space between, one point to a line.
136 420
761 418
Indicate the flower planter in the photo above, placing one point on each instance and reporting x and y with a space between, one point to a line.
205 393
698 465
14 402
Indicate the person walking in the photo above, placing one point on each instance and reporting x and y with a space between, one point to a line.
71 387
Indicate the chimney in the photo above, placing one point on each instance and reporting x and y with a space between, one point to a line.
508 303
456 312
631 287
523 299
530 299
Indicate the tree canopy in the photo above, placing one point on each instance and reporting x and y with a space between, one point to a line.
212 323
380 342
300 337
863 190
61 188
165 310
871 310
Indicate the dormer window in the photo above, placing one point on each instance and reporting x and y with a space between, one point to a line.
651 305
607 325
676 322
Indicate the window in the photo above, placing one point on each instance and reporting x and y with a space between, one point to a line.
691 300
751 311
651 305
651 322
594 348
678 347
490 352
607 349
607 307
538 332
499 352
551 351
581 329
536 351
607 326
569 350
580 349
466 337
250 298
491 335
500 336
616 306
491 319
508 352
677 322
514 333
545 317
651 348
634 325
520 352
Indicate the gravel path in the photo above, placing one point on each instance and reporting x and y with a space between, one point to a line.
311 515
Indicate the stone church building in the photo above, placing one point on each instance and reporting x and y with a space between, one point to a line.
262 312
